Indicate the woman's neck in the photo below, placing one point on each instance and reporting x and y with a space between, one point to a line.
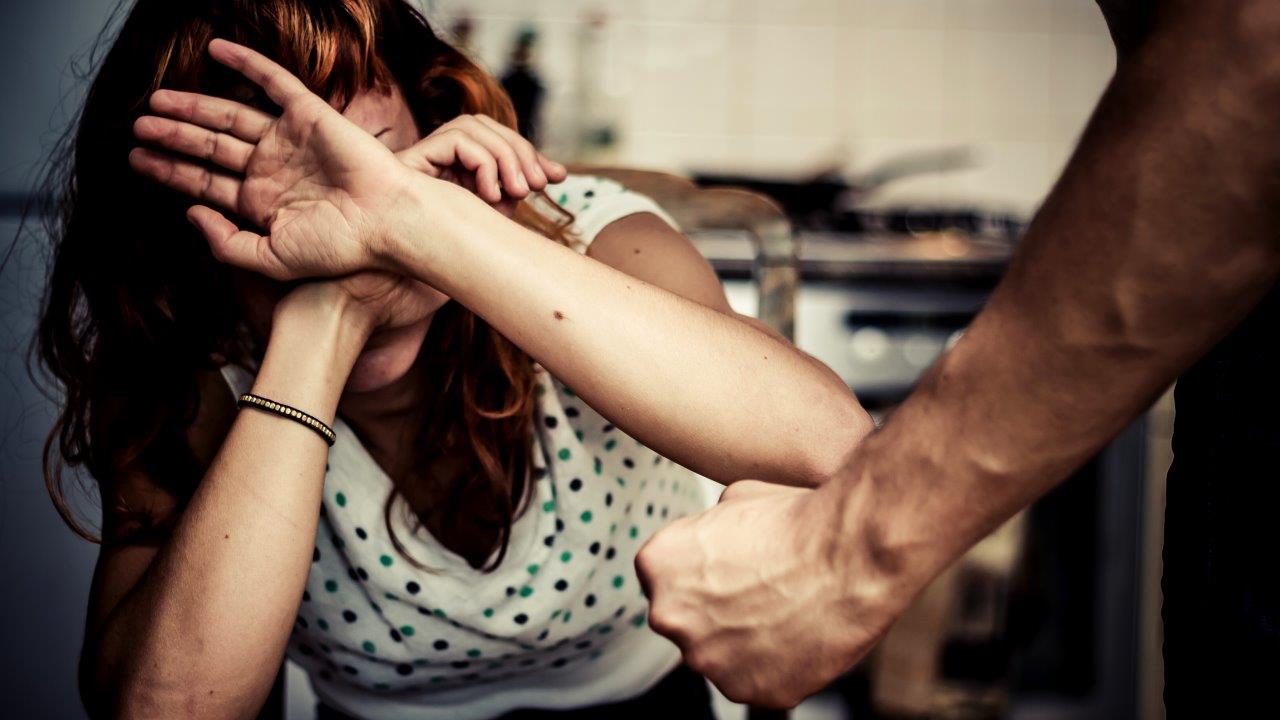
387 418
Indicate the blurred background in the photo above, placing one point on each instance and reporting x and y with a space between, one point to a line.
892 152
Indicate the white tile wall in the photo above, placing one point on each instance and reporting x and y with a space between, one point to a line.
795 86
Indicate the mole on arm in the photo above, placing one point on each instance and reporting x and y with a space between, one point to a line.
558 315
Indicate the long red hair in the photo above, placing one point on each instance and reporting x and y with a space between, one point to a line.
136 308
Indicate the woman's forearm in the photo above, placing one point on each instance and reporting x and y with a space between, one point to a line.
697 385
203 631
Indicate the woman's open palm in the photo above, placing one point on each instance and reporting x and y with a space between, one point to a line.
315 181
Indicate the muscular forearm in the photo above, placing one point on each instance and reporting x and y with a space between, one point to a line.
1161 235
701 387
203 631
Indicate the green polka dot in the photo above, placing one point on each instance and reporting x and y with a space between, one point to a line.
407 630
563 199
567 614
563 454
635 531
556 614
437 678
369 647
533 569
605 629
579 434
622 482
613 528
610 444
340 499
569 392
586 516
438 613
638 620
548 506
599 466
331 585
473 653
495 665
526 591
389 596
617 581
566 556
488 612
375 607
385 560
324 624
381 686
595 654
675 486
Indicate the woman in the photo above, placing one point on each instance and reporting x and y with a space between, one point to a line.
465 548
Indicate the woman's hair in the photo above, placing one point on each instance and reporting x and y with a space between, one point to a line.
136 309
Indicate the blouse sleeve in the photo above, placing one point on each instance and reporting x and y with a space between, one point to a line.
596 202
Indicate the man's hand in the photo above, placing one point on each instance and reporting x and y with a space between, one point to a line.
762 596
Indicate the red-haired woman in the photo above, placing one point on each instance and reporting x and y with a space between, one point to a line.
412 503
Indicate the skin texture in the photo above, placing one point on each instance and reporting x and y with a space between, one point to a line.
383 239
1158 239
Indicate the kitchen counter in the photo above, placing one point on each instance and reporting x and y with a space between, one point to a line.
836 256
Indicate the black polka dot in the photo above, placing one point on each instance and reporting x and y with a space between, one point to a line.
583 645
571 411
348 616
423 611
560 662
315 555
648 509
471 676
589 193
543 635
608 499
412 587
302 622
306 650
395 634
440 644
562 584
574 485
619 612
607 428
629 463
350 670
549 540
521 619
351 573
364 574
404 669
326 676
526 662
460 664
539 473
608 554
510 591
657 459
306 596
360 533
550 421
665 511
590 601
559 525
595 548
326 648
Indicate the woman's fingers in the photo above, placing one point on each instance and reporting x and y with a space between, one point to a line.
510 167
481 164
187 177
248 124
231 245
523 149
279 84
219 148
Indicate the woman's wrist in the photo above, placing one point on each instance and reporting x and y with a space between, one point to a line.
423 221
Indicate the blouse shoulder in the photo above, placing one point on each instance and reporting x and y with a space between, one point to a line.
595 202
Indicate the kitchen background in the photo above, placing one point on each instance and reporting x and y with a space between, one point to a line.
909 140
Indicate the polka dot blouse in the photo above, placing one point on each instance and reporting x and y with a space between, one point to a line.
562 621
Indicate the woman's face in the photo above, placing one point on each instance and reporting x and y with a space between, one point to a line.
390 351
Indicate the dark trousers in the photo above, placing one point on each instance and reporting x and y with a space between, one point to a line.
682 694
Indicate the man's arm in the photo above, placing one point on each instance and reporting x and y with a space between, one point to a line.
1161 235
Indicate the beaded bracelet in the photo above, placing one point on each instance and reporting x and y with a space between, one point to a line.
293 413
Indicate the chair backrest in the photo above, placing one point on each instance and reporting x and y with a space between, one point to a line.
719 208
